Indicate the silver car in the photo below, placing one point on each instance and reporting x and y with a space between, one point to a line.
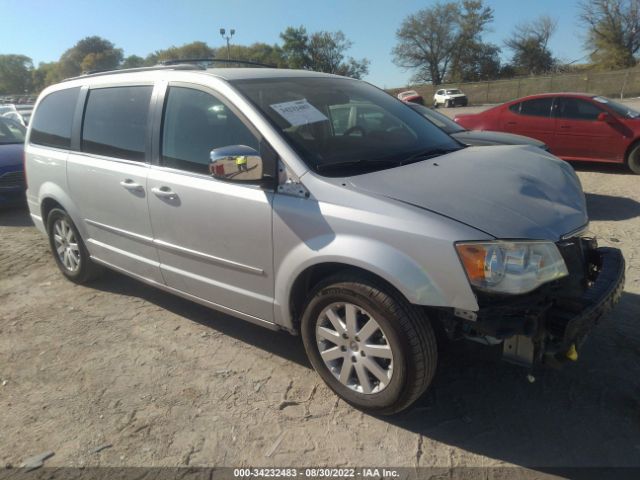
262 193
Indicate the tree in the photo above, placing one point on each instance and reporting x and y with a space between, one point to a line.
15 73
132 61
321 51
90 53
259 52
427 40
46 74
188 50
613 31
295 47
472 59
529 44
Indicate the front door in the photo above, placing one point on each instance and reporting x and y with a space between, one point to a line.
213 237
581 136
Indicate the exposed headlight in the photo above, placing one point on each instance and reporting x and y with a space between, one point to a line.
511 267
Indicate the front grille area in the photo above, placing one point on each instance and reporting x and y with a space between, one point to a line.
12 180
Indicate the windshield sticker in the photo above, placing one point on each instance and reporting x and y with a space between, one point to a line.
299 112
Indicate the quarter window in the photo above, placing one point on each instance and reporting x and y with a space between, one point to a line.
577 109
51 125
115 122
196 122
538 107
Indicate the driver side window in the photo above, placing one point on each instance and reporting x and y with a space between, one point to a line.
194 123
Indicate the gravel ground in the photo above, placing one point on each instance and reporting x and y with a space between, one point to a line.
165 382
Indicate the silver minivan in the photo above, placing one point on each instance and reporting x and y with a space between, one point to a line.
265 194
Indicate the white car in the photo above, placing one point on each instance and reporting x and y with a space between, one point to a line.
450 97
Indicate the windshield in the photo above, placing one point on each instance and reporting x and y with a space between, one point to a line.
11 131
453 92
438 119
343 122
620 109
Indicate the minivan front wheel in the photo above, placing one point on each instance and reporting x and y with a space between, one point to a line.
373 348
68 249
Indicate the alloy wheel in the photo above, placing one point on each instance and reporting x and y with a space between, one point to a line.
66 245
354 348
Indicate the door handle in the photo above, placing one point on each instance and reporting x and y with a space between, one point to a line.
163 192
130 184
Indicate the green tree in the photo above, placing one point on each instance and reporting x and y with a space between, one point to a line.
257 52
90 53
186 51
295 47
472 58
321 51
46 74
529 44
613 31
132 61
15 73
427 41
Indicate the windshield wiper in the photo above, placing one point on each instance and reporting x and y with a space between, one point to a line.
356 163
427 154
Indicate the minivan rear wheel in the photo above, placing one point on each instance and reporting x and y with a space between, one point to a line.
68 249
372 347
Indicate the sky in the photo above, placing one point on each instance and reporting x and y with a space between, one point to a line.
44 29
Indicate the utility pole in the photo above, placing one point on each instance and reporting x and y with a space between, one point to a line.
227 38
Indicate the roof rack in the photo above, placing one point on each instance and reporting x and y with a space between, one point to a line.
179 61
97 73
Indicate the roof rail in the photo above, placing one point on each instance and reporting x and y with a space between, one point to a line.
178 61
97 73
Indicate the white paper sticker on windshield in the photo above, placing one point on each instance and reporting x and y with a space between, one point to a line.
299 112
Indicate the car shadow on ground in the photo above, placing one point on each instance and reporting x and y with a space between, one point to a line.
587 414
277 342
15 216
604 168
608 207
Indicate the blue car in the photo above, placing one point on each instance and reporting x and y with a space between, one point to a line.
12 180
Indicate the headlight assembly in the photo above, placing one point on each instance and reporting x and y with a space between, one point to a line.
511 267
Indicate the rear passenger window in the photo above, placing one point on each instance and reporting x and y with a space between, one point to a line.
194 123
115 122
51 125
538 107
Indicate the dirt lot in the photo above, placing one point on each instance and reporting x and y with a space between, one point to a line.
166 382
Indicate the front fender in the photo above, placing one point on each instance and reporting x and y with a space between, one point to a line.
381 259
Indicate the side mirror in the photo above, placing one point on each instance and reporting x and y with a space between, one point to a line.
236 163
605 117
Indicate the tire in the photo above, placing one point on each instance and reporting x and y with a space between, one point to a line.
435 104
447 104
68 249
633 159
403 347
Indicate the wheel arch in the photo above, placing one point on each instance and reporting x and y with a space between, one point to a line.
51 196
634 143
295 279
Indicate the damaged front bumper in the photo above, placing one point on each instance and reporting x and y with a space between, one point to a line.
548 326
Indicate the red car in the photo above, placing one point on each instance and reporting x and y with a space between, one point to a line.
575 126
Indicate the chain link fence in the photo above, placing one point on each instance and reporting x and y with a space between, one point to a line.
614 84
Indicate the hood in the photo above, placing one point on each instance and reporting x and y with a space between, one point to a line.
484 138
11 155
509 192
